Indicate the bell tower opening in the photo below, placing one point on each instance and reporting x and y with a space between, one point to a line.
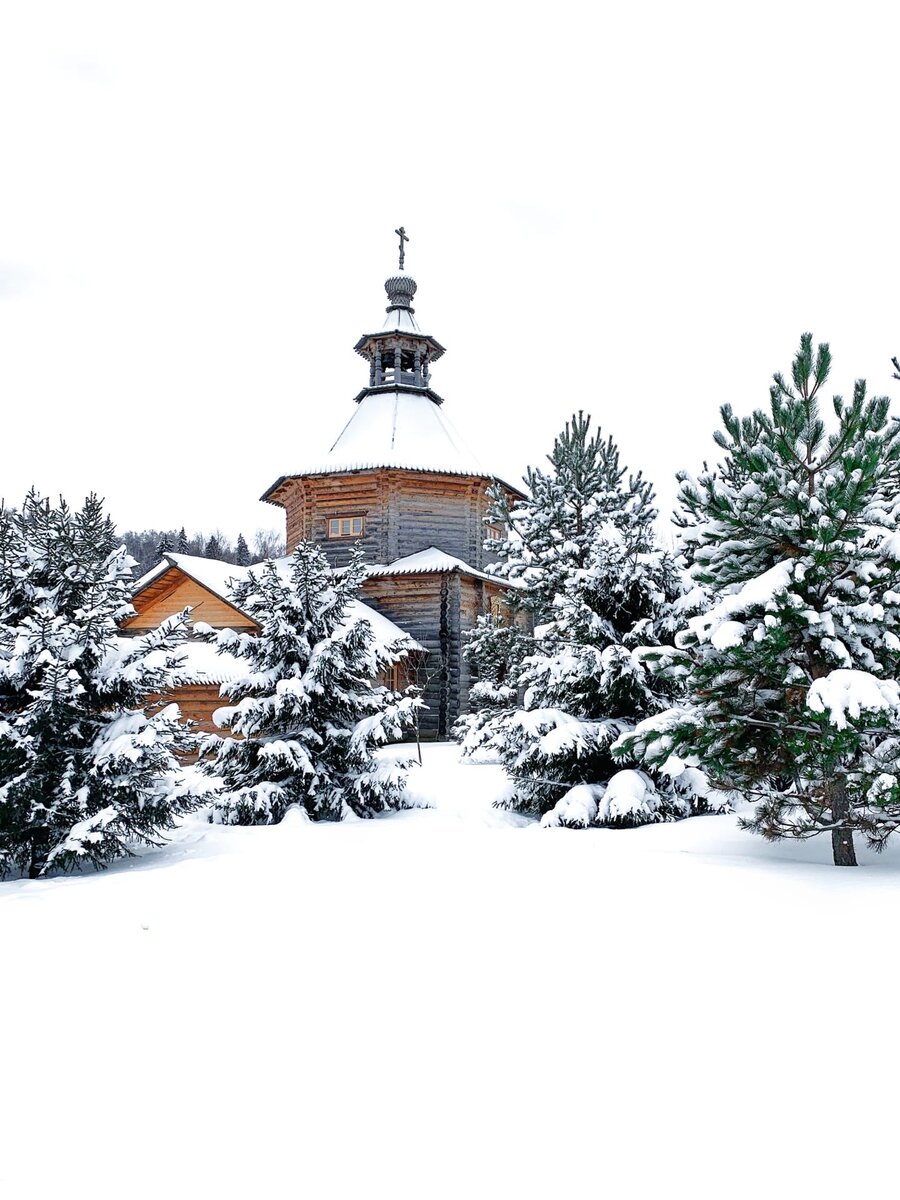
400 354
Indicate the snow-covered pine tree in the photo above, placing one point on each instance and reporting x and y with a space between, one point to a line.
86 759
183 544
164 547
213 548
242 552
581 549
307 714
797 533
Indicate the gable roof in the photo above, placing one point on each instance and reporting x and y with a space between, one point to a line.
210 573
183 579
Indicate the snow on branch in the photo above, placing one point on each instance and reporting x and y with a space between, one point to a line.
717 626
847 693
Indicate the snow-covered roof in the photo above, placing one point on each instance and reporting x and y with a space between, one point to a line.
397 429
154 573
386 632
200 663
210 572
197 661
432 562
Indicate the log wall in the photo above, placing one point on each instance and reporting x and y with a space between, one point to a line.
440 510
405 512
310 502
198 702
427 607
477 598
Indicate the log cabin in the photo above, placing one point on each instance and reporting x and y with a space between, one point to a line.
400 482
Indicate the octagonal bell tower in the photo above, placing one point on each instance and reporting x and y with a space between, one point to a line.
400 354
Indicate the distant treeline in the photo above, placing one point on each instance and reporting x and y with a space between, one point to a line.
147 546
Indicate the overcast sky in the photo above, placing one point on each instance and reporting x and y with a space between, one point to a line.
634 209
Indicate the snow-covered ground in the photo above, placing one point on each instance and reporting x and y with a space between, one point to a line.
453 1003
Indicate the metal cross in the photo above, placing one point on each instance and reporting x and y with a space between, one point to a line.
401 234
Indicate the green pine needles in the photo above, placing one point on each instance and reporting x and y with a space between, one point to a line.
796 536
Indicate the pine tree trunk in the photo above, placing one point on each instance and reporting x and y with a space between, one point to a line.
38 851
842 848
36 862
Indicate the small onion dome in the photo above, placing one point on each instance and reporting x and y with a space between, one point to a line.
400 290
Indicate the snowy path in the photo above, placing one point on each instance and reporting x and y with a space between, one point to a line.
451 1003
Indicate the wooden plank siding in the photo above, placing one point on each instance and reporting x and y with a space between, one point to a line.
198 702
175 591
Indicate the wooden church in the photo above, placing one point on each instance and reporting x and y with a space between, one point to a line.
400 482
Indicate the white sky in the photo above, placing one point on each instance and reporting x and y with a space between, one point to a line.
631 209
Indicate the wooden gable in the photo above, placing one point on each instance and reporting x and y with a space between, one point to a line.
175 590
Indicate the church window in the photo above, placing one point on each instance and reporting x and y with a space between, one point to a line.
346 527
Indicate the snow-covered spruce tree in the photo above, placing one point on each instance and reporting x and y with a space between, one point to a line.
86 760
796 533
582 551
548 536
496 650
307 714
552 531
